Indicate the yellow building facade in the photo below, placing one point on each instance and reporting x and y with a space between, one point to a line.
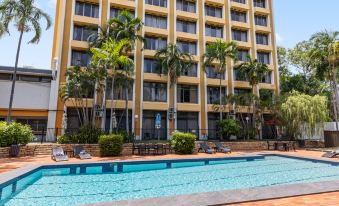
191 24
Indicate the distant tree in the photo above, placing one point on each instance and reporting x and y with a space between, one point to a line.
26 17
283 64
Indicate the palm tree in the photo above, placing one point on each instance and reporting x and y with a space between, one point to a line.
110 56
255 71
174 62
125 26
26 17
216 55
325 60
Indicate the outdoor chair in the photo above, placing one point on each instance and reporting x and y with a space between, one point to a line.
160 148
219 147
331 154
142 149
80 152
205 148
151 148
58 154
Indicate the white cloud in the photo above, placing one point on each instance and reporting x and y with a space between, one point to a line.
279 38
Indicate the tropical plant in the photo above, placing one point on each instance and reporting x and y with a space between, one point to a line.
228 127
183 143
216 55
26 17
173 62
255 71
14 134
111 145
302 112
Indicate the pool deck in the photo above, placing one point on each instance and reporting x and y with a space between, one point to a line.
324 193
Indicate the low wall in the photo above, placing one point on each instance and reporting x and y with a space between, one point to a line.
93 149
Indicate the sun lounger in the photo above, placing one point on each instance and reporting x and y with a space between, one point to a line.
205 148
331 154
220 148
81 153
58 154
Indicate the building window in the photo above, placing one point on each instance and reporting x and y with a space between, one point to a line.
162 3
238 16
214 31
213 94
6 77
259 3
264 57
184 5
114 13
242 91
239 35
243 55
212 74
262 39
156 21
155 92
213 11
260 20
87 9
37 125
153 43
80 58
239 76
150 66
187 47
119 91
187 94
192 72
240 1
149 130
81 33
267 79
186 26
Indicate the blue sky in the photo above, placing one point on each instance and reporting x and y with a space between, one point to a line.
295 20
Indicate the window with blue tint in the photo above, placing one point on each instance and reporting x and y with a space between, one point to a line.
262 39
239 35
260 20
213 11
156 21
214 31
191 72
155 92
238 16
150 66
80 58
188 6
186 26
87 9
114 13
213 94
239 76
240 1
243 55
242 91
154 43
187 93
264 57
259 3
82 33
162 3
212 73
267 78
187 47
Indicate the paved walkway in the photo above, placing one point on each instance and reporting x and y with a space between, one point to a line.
327 199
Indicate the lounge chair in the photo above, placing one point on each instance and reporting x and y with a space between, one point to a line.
204 147
220 148
331 154
81 153
58 154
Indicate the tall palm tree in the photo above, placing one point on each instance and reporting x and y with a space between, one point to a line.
126 26
325 62
110 56
216 55
173 62
26 17
255 71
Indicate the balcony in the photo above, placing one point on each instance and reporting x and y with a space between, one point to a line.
263 29
240 25
215 20
126 4
187 15
188 80
152 31
262 11
239 6
84 20
151 77
187 36
79 45
157 10
264 48
215 2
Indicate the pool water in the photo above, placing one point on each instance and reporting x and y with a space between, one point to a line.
58 187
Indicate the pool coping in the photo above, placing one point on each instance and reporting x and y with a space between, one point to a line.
200 199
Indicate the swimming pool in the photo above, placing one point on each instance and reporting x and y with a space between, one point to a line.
76 184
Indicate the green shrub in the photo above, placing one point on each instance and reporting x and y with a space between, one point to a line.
14 133
228 127
87 135
65 139
111 145
183 143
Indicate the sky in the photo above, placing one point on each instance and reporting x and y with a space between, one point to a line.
295 21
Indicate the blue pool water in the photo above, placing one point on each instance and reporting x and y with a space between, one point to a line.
58 187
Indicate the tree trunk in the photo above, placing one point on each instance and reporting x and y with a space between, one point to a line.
220 101
9 119
126 109
336 102
111 120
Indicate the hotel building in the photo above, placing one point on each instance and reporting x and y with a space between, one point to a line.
191 24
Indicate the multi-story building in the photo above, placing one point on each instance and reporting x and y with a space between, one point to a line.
191 24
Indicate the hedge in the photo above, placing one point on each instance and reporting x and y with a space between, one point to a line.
183 143
111 145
